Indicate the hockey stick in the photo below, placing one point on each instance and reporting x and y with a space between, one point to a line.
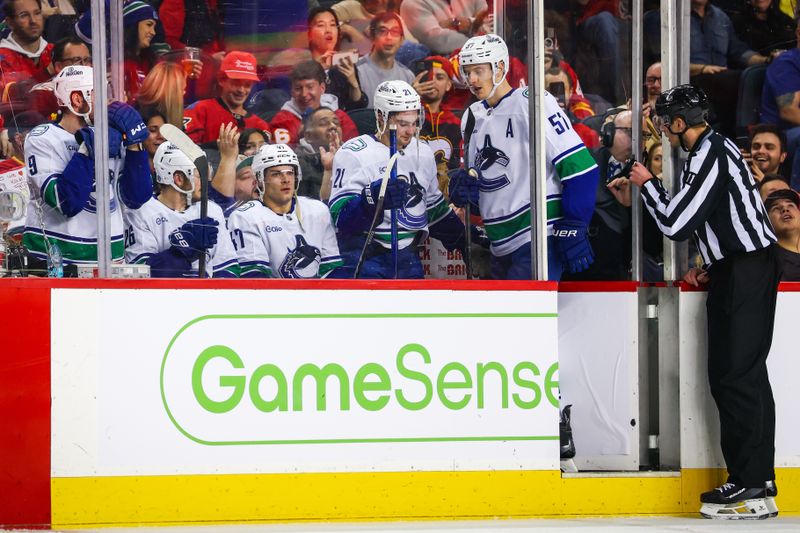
378 213
393 177
177 137
467 209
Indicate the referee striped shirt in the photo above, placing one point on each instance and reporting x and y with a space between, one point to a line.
718 202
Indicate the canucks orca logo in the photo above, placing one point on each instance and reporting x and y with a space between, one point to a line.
411 216
91 203
488 156
302 262
484 160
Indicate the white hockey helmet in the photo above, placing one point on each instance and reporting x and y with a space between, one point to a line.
489 48
74 78
395 96
168 160
274 155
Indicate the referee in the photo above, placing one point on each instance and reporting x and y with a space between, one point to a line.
718 203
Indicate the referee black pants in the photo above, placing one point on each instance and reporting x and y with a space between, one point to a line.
741 316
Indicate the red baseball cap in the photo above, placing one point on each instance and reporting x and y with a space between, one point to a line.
239 66
442 63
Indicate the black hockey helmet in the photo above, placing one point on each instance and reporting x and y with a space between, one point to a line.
685 101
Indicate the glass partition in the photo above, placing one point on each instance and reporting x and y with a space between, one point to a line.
235 76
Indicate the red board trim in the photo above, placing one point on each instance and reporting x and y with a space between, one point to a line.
281 284
598 286
25 407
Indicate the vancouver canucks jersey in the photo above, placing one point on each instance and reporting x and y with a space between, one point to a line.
48 150
147 232
498 147
298 244
363 160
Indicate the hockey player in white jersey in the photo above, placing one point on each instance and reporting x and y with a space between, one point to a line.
357 170
283 235
60 166
168 233
496 135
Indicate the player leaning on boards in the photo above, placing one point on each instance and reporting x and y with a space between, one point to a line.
283 235
168 233
495 132
357 170
718 203
60 159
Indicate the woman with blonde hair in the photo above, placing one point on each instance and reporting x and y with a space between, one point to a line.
162 90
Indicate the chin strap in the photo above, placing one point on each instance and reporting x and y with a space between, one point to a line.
495 84
680 135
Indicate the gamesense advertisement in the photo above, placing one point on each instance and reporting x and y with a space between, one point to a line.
303 381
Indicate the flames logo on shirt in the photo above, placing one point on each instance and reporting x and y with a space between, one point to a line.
302 262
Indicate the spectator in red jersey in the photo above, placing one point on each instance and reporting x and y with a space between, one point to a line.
308 94
24 55
442 129
237 75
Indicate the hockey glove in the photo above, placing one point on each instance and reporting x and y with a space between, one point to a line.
128 122
194 237
464 188
86 136
395 197
572 245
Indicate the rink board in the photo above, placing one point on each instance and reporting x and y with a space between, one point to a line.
127 462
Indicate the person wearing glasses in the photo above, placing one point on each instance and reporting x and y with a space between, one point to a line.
610 227
354 17
24 55
69 51
652 86
386 32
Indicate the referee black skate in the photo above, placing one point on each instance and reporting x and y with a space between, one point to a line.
719 205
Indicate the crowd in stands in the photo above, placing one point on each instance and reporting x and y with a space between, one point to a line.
236 88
